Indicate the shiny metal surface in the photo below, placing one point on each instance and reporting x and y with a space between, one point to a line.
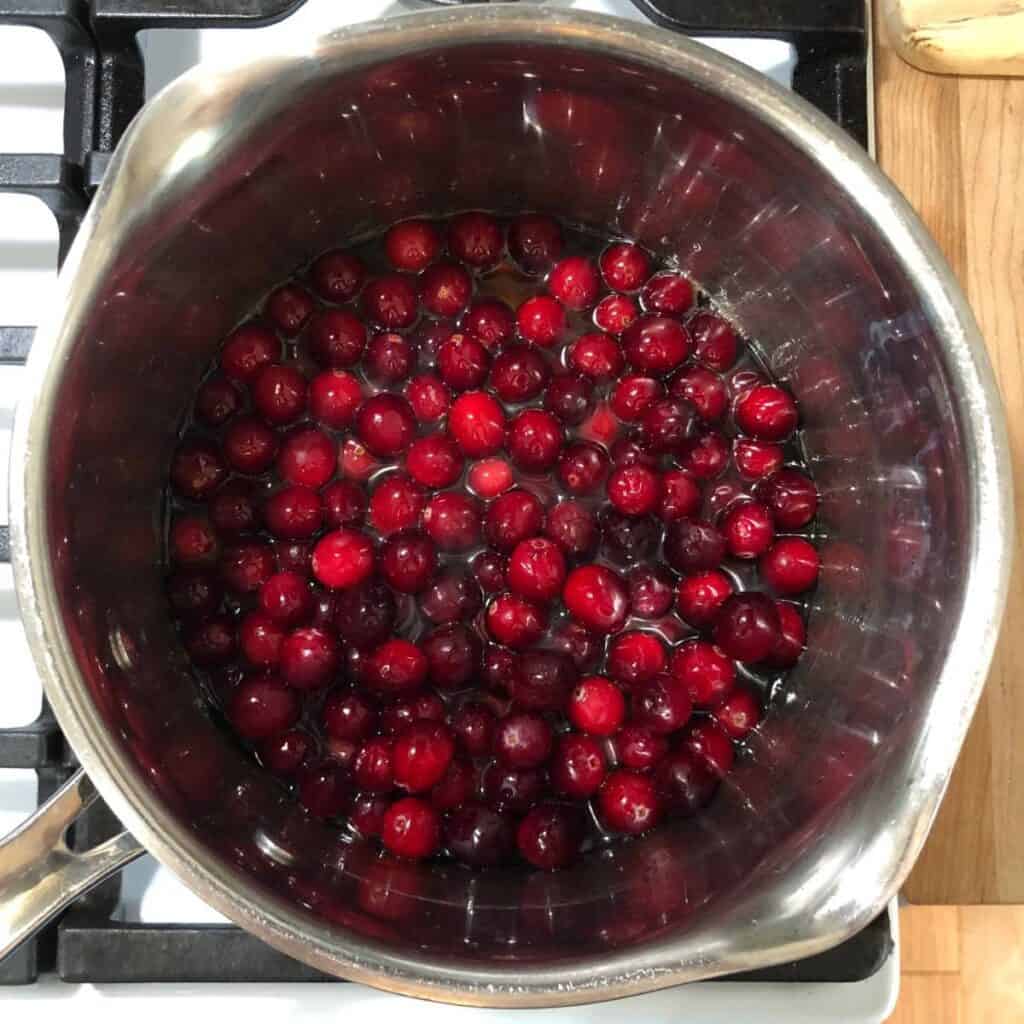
229 180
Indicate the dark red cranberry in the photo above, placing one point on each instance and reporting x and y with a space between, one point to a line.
453 653
217 401
421 756
534 440
792 637
650 592
422 707
428 397
756 459
344 504
450 598
636 657
708 741
685 783
285 754
596 706
535 242
541 319
336 338
347 716
550 835
667 293
639 749
661 704
355 461
747 627
456 786
512 517
523 740
364 616
597 356
536 569
197 469
490 477
334 397
519 374
738 713
386 425
491 322
766 412
543 681
489 572
194 594
463 362
261 707
575 282
289 307
396 666
748 530
324 789
628 803
338 275
633 396
704 390
473 726
625 266
396 504
790 566
499 670
445 289
293 556
478 835
707 456
193 542
343 559
412 245
615 313
245 567
293 513
308 457
411 828
656 345
515 622
680 496
701 596
791 496
635 490
475 239
246 350
391 301
692 545
367 814
477 422
705 672
578 766
582 467
597 597
510 791
408 562
629 538
667 427
453 521
211 642
310 657
570 397
249 446
714 340
389 358
259 638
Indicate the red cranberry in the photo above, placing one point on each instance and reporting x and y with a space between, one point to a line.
541 319
476 239
628 803
386 425
692 545
667 426
633 396
343 559
614 313
434 461
364 616
286 598
515 622
513 516
396 504
477 422
194 594
249 447
489 572
309 658
535 242
711 745
748 530
543 681
536 569
334 397
704 390
308 457
756 459
423 707
218 400
412 245
661 704
701 596
293 513
597 356
766 412
549 837
355 461
477 835
246 350
396 666
534 440
346 716
519 374
428 397
389 358
638 748
715 343
391 301
582 467
634 490
790 566
338 275
367 814
421 756
656 345
635 658
192 542
336 338
510 791
491 322
245 567
462 362
286 754
680 496
408 562
411 828
625 266
344 504
197 469
452 520
684 782
738 714
499 670
707 456
453 653
445 289
582 646
324 789
629 538
289 307
792 497
261 707
650 592
523 740
473 726
667 293
792 637
570 397
490 477
571 525
597 597
597 706
578 766
259 638
450 598
574 281
706 673
747 627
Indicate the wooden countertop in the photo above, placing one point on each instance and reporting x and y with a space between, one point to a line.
955 146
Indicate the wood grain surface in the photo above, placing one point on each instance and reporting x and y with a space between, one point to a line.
955 146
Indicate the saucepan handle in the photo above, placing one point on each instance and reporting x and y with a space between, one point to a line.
40 875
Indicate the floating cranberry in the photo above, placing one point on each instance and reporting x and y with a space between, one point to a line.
510 791
707 456
217 401
792 637
463 362
635 490
391 301
519 374
661 704
543 681
597 706
535 242
650 592
338 275
692 545
287 753
790 566
597 597
261 707
578 766
709 742
408 562
680 496
289 307
293 556
453 654
748 530
422 707
453 521
792 497
412 245
523 740
336 338
636 657
389 358
451 597
259 638
476 239
194 594
614 313
756 459
685 782
666 427
536 569
625 266
325 790
629 538
396 666
286 598
667 293
386 425
541 319
490 477
344 504
766 412
515 622
334 397
411 828
572 526
477 422
246 350
628 803
428 397
570 397
738 713
197 469
293 513
534 440
343 559
396 504
582 646
512 517
367 814
701 596
192 542
597 356
355 461
491 322
246 566
574 281
364 615
714 340
638 748
473 727
499 670
747 627
445 289
633 396
347 716
706 673
309 658
489 572
549 836
421 756
656 345
704 390
478 835
582 467
307 457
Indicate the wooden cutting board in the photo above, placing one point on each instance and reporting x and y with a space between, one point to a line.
955 146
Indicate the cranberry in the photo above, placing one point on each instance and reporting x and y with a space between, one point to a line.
790 566
287 753
519 374
569 397
756 459
411 828
386 425
766 412
523 740
582 646
445 289
792 637
707 456
453 653
193 594
571 525
197 469
355 461
412 245
336 338
473 725
246 350
511 791
463 362
324 790
634 490
711 745
706 673
430 336
457 785
692 545
259 638
396 504
685 782
701 596
308 457
218 400
310 657
582 467
408 562
680 496
578 766
792 497
245 567
489 572
512 517
261 707
389 358
597 356
477 835
293 513
344 504
289 307
536 569
423 707
428 397
534 440
490 477
293 556
396 666
656 345
667 293
597 706
421 756
452 520
715 343
549 836
334 397
365 615
614 313
650 592
574 281
491 322
391 301
338 275
514 621
747 627
451 597
638 748
193 542
667 426
343 559
633 396
541 319
738 714
476 239
661 704
628 803
346 716
748 530
535 242
543 681
625 266
477 422
629 538
367 814
635 658
500 669
597 597
704 390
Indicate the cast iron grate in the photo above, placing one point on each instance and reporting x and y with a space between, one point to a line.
97 40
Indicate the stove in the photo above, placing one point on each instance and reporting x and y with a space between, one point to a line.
73 74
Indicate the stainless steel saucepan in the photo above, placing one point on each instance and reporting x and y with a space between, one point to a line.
227 181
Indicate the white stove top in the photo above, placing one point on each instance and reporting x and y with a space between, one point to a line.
31 114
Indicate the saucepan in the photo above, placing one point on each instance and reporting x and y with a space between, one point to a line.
231 178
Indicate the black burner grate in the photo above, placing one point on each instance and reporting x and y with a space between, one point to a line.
104 88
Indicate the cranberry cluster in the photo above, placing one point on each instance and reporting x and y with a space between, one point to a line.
468 573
